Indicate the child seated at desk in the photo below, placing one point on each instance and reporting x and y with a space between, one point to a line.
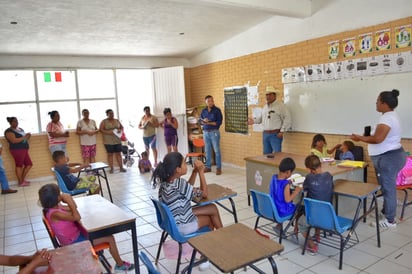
317 185
281 189
65 222
144 164
72 182
27 264
345 151
319 147
177 193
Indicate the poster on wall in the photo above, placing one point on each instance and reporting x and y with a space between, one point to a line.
403 36
330 71
333 49
252 95
365 43
349 47
401 62
236 110
383 40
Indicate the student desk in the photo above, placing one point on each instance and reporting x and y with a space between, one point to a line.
102 218
99 171
217 193
75 258
360 192
259 170
234 247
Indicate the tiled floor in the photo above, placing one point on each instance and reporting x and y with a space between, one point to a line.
22 231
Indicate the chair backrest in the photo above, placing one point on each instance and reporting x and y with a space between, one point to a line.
63 187
198 142
322 215
264 206
167 221
146 261
51 233
357 152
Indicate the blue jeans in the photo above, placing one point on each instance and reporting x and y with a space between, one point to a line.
212 138
387 167
271 143
3 178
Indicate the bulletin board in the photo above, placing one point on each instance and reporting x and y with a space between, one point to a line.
236 110
346 106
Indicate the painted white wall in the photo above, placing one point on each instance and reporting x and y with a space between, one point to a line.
336 16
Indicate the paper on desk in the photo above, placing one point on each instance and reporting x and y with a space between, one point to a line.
349 163
296 179
327 159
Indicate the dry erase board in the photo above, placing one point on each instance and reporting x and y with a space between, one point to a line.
346 106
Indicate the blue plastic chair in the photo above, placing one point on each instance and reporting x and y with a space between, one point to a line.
320 214
265 208
167 223
63 187
146 261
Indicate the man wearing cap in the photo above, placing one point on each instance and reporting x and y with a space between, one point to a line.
275 119
211 118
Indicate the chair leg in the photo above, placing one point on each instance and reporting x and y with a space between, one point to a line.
405 203
104 262
179 257
306 240
162 240
256 223
341 252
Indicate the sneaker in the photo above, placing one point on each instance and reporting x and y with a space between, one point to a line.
312 250
126 266
316 239
204 266
386 224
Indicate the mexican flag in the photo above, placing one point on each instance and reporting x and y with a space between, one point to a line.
52 76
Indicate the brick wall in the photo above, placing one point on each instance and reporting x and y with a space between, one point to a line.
266 67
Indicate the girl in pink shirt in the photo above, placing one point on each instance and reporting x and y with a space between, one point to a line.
65 222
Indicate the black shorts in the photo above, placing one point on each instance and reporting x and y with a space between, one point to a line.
113 148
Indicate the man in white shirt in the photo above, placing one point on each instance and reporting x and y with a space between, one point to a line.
275 119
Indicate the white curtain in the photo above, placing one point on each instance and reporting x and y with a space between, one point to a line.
169 91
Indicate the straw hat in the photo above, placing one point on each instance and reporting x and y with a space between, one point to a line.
271 89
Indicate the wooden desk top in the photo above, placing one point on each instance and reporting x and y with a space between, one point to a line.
300 162
98 213
354 189
74 258
216 193
234 246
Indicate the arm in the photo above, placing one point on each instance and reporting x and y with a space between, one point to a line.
290 196
11 137
175 123
40 258
332 150
199 167
380 134
72 215
154 121
76 167
103 129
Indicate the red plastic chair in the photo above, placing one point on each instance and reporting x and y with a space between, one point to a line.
200 144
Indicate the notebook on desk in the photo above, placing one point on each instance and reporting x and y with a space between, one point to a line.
349 163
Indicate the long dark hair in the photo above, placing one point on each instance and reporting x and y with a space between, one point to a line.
167 168
390 98
49 196
317 138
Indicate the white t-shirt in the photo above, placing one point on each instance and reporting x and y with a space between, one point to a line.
85 139
393 139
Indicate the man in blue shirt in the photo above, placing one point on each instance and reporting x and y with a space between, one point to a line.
211 119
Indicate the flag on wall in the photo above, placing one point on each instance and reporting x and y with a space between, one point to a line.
52 77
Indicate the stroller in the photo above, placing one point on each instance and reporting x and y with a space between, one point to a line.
129 152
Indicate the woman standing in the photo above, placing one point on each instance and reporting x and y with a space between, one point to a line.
57 134
111 129
170 125
386 152
87 130
19 149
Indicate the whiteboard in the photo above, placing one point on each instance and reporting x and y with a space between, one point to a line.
346 106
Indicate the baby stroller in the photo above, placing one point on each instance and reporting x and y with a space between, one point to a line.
129 153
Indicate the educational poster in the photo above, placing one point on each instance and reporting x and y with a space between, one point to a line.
297 75
252 95
309 72
339 73
318 72
409 60
383 40
349 48
365 43
403 36
375 67
330 71
333 49
349 68
286 75
236 110
362 67
400 64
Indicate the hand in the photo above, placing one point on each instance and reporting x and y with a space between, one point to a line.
66 198
27 136
42 257
198 166
355 137
250 121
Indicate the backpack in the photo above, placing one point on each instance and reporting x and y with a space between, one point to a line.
405 175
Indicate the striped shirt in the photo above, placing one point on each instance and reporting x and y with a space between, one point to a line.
177 195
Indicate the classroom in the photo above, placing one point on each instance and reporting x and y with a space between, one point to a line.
291 36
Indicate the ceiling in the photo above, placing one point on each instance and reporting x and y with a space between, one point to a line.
162 28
